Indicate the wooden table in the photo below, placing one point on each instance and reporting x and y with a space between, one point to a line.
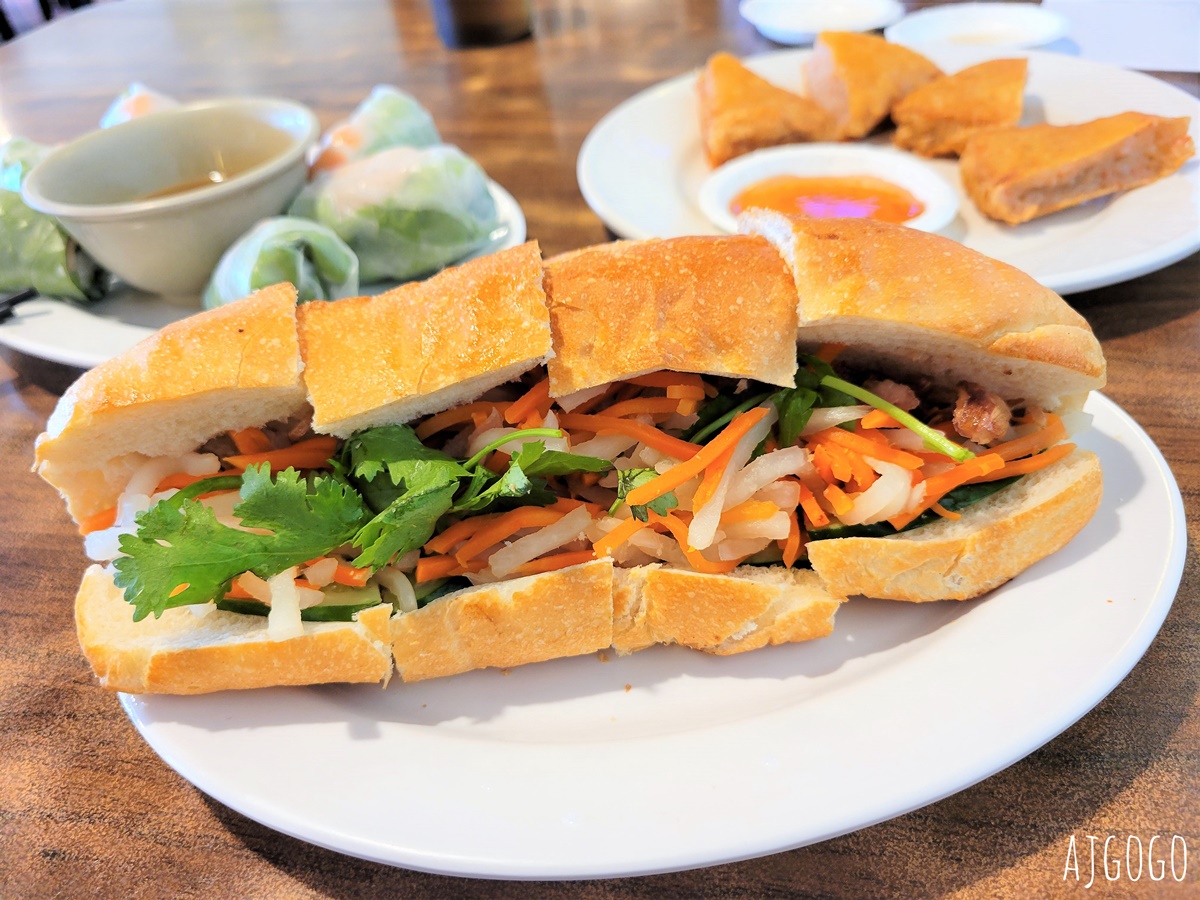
87 808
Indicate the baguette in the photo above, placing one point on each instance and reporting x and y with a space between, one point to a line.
641 334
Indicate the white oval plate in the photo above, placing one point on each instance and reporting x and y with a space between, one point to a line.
669 759
641 167
86 336
936 194
1000 26
800 21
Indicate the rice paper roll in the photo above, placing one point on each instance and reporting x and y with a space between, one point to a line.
285 248
387 118
136 100
34 251
405 212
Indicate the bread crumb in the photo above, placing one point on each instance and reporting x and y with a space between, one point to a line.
602 655
506 671
628 688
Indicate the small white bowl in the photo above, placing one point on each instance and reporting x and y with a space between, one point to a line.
102 186
800 21
1007 26
940 199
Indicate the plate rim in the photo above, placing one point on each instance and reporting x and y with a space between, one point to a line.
1112 669
1058 26
1100 274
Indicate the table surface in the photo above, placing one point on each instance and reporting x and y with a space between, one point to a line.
87 808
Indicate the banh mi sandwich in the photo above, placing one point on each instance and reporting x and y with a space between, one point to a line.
707 441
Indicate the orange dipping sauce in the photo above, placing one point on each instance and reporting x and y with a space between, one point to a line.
849 196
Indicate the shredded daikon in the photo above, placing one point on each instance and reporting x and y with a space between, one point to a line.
887 497
397 582
570 401
321 573
766 469
705 520
283 621
827 417
550 537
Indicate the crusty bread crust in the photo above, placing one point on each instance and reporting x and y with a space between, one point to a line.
562 613
714 305
427 346
938 118
720 614
921 304
859 77
1018 174
955 560
741 111
227 368
182 653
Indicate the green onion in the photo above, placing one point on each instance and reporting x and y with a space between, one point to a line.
204 486
934 439
515 436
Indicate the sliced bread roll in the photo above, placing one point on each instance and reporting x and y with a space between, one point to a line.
712 305
720 614
227 368
427 346
920 305
994 540
183 653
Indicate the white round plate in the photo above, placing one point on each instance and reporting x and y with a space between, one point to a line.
1000 26
641 167
86 336
937 196
800 21
669 759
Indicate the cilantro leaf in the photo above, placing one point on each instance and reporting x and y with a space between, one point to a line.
386 462
628 479
534 459
406 524
180 556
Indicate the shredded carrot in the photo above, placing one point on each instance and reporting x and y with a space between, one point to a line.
98 521
504 526
618 536
643 406
351 576
592 402
838 500
812 510
1029 464
1051 434
237 592
534 420
829 352
823 462
712 478
431 567
877 418
937 486
710 453
460 414
531 400
555 561
588 479
647 434
667 379
866 447
793 543
839 461
178 481
694 557
250 440
750 511
313 453
179 589
945 513
457 533
497 462
685 392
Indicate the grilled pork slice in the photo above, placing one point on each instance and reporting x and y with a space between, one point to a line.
1018 174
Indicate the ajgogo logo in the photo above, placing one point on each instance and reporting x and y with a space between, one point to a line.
1153 858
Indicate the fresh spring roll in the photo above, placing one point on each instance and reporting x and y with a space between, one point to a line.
34 251
285 249
388 118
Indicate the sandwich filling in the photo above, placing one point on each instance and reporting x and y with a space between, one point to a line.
699 473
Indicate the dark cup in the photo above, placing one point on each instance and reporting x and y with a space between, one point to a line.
482 23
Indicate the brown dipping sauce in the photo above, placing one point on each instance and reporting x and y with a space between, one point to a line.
181 187
849 196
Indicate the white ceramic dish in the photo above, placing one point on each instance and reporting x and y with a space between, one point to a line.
156 200
1000 26
669 759
86 336
800 21
642 165
937 195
